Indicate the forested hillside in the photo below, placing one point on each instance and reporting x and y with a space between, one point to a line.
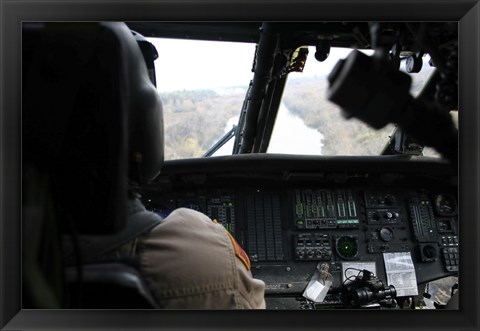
307 98
194 120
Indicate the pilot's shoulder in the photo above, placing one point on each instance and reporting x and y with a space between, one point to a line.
182 215
182 218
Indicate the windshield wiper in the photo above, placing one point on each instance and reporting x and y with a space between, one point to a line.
222 141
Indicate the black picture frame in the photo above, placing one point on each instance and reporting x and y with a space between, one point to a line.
13 13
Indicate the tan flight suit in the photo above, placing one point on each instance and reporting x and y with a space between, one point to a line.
191 262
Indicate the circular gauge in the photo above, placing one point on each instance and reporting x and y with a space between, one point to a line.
428 253
445 205
347 247
386 234
390 200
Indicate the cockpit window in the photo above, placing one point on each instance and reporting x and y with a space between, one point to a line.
307 123
202 85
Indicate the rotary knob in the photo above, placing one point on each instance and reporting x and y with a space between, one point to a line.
386 234
429 252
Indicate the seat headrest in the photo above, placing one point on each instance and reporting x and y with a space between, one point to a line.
146 140
88 106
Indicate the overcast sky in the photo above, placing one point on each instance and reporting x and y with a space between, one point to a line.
192 64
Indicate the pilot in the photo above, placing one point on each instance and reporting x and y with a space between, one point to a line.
190 261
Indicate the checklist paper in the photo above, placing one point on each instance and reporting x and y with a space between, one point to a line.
401 273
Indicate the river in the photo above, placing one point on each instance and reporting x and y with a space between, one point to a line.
290 136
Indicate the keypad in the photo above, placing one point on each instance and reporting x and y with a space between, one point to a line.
450 252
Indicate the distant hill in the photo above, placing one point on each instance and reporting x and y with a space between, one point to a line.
194 120
307 98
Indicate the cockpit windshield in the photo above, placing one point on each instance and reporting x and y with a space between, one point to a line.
308 123
203 85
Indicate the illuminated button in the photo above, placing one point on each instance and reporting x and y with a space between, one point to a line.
299 209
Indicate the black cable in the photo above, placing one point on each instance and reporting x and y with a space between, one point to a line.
349 278
345 272
360 271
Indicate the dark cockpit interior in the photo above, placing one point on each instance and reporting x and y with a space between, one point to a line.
322 231
295 214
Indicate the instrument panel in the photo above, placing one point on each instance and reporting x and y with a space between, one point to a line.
288 232
296 216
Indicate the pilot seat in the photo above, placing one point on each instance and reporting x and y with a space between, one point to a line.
92 135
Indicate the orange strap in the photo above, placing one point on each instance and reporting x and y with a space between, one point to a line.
239 252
